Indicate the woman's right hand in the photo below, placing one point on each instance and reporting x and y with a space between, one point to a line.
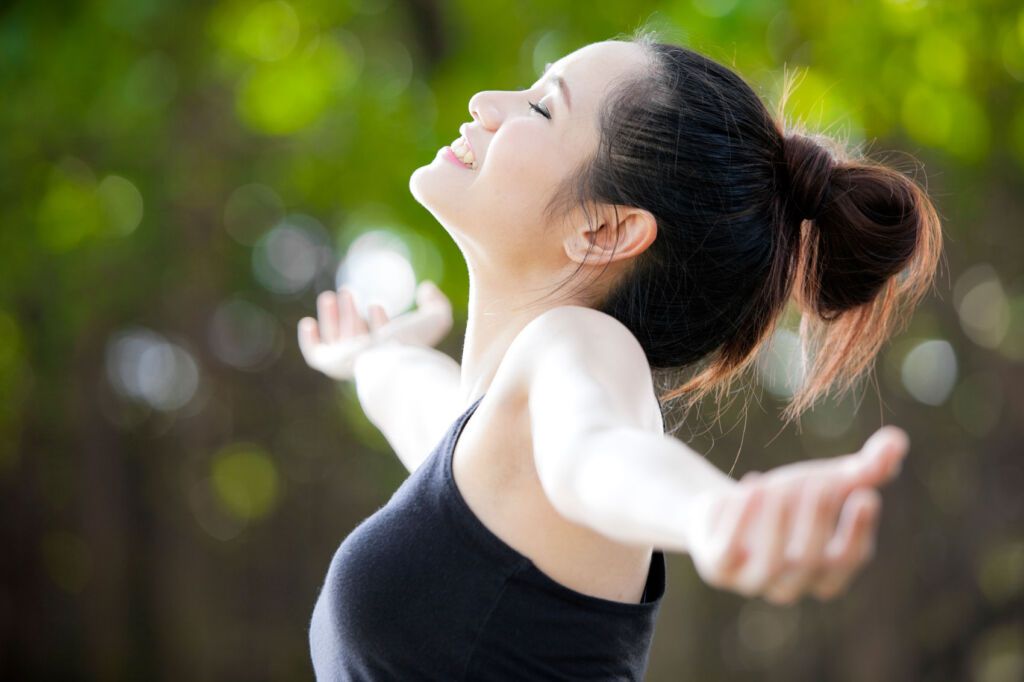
333 346
803 527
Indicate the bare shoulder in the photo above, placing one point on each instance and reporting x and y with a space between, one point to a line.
572 344
582 330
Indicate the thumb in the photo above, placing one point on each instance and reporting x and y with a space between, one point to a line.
881 458
427 292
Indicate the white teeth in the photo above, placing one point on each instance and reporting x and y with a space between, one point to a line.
463 152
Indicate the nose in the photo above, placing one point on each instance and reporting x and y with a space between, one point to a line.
483 107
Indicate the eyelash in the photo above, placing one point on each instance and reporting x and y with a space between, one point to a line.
540 110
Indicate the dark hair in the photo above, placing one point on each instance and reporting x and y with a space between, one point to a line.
750 215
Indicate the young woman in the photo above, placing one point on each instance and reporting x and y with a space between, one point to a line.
528 541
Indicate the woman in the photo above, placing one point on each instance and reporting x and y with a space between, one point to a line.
528 543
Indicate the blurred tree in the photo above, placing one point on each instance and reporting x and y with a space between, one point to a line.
181 178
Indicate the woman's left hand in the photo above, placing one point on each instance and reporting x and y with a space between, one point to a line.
802 527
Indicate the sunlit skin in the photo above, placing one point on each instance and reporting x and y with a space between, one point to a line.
801 528
493 213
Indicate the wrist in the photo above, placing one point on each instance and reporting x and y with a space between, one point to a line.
374 359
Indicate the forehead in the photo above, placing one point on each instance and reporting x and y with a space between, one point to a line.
592 68
611 58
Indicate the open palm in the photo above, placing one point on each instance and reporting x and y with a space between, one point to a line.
333 345
802 527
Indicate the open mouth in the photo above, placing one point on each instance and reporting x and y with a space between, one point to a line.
464 153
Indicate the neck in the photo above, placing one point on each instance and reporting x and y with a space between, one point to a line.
495 316
503 300
494 319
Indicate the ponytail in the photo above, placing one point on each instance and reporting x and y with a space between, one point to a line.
750 217
866 260
856 247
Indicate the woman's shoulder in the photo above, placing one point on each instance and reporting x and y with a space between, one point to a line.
576 315
582 328
574 341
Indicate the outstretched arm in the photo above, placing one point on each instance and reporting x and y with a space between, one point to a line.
407 389
802 527
604 464
411 393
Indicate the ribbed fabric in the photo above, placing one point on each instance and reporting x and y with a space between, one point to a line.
422 590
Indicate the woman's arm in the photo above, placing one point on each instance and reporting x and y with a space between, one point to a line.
407 389
636 487
775 534
410 393
602 465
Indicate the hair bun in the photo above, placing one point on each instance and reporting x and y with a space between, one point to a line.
809 166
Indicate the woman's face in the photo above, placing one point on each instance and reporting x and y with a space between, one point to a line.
494 209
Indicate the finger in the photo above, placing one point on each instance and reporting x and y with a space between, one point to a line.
808 525
432 301
426 325
750 477
428 293
800 564
853 544
881 457
766 545
356 324
799 473
789 585
309 337
327 312
822 524
727 546
858 523
433 304
878 461
347 310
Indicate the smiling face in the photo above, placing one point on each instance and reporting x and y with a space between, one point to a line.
494 210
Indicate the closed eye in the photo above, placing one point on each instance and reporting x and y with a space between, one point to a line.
540 110
543 111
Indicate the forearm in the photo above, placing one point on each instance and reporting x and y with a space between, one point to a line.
409 392
635 486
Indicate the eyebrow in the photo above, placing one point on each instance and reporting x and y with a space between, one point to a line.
562 85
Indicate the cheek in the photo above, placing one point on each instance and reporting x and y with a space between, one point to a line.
525 169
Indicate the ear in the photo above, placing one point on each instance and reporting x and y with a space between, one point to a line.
635 228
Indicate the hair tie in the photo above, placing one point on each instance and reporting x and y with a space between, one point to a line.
809 167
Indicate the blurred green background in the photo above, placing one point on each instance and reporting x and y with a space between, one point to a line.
181 178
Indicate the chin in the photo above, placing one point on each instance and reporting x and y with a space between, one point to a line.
420 187
414 181
426 184
427 192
